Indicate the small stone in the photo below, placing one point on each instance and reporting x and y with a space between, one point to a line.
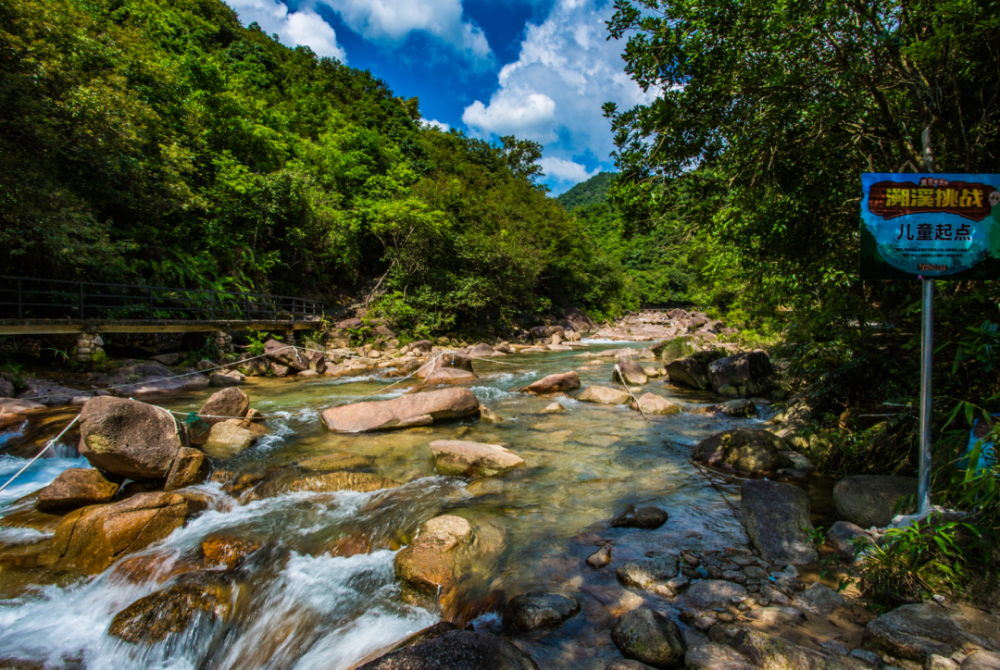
776 616
726 617
644 517
704 623
647 636
938 598
835 647
869 658
935 662
646 572
733 576
754 572
531 611
600 558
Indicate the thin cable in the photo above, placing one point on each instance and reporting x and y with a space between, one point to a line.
39 454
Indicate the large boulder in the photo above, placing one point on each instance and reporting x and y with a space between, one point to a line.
649 637
605 396
421 347
771 651
577 320
482 350
230 403
914 632
871 500
745 450
76 487
195 595
190 468
456 650
531 611
777 521
431 565
458 457
646 573
446 360
630 371
296 479
141 378
690 371
415 409
741 375
564 381
130 438
294 358
713 656
225 440
92 538
708 594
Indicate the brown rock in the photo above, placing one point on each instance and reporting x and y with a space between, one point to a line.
433 561
76 487
416 409
454 361
225 404
600 558
92 538
291 480
334 462
630 371
458 457
650 403
224 549
604 395
172 610
565 381
745 450
129 438
296 359
450 376
190 468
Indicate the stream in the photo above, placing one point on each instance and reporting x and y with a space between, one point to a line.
302 608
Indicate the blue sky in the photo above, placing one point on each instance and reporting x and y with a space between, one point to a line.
537 69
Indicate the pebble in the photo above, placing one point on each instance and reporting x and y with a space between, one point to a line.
726 617
704 623
869 658
600 558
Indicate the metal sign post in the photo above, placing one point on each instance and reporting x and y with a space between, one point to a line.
926 395
929 226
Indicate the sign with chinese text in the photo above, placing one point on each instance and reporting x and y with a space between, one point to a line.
934 225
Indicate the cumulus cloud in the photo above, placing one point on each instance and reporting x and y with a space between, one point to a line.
304 26
392 21
434 123
553 93
562 170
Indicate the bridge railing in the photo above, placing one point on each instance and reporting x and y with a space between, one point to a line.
30 298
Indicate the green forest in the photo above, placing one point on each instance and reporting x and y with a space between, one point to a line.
160 142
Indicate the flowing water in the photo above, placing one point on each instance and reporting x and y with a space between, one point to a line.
299 607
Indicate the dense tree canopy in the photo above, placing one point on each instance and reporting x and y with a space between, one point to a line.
160 141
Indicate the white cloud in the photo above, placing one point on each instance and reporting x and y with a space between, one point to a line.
553 93
304 26
433 123
392 21
562 170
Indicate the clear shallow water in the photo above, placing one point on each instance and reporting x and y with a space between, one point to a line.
299 607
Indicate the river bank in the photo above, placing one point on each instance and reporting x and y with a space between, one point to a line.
311 577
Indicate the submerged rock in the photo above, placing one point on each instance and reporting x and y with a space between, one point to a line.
871 500
647 572
644 517
605 396
742 408
531 611
151 619
745 450
337 461
92 538
777 520
600 558
76 487
564 381
458 457
486 415
416 409
293 480
456 650
649 637
129 438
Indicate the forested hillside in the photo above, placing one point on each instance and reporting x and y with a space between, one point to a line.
159 141
656 263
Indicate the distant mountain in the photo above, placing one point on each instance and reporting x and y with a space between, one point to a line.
594 191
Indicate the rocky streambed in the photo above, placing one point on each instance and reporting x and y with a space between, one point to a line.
512 519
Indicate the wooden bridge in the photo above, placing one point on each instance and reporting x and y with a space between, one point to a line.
30 306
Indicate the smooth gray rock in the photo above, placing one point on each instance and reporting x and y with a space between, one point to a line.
819 600
914 632
981 660
531 611
742 375
713 656
627 665
776 616
843 535
647 636
775 653
744 449
710 593
869 658
646 572
871 500
777 520
645 517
